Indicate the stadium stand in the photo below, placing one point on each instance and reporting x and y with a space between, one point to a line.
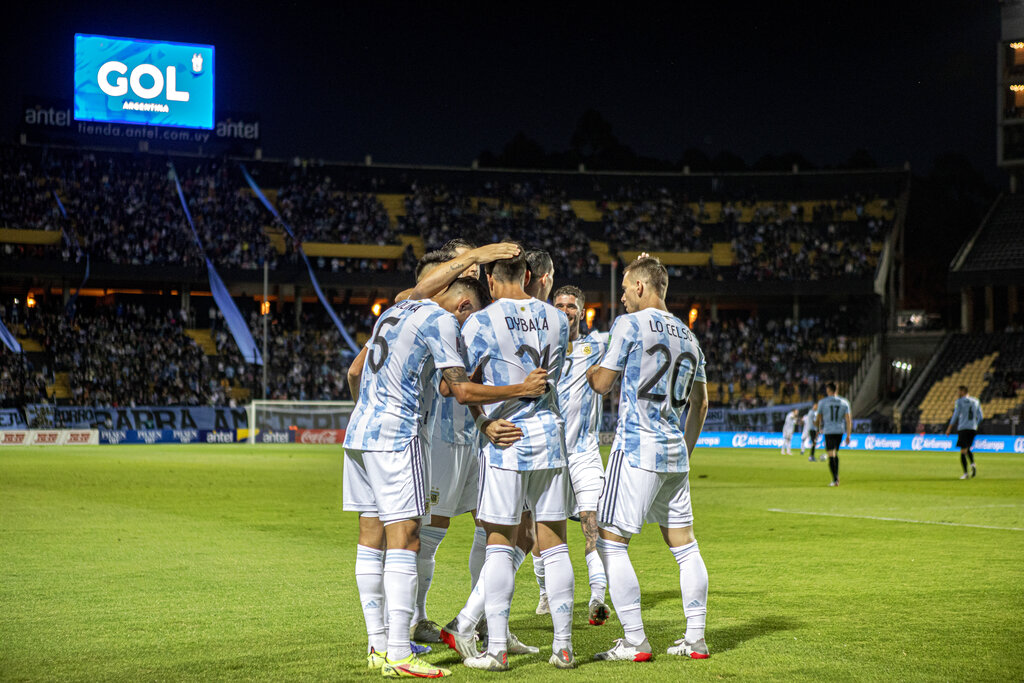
752 242
755 363
121 355
998 245
992 367
122 209
304 362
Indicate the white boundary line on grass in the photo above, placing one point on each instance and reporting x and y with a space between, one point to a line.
894 519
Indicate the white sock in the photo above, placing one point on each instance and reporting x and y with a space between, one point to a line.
477 553
473 611
518 557
430 538
693 584
370 582
400 589
623 588
598 579
499 584
562 583
538 571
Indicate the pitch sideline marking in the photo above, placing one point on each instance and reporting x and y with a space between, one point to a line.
895 519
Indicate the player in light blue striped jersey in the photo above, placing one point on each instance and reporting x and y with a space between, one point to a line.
967 416
504 342
581 408
454 454
393 380
647 478
834 418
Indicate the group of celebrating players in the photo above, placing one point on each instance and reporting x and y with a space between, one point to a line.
486 399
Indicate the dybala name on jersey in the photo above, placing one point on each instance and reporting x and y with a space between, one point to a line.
524 325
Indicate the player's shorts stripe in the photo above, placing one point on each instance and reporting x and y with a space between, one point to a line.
607 501
417 476
480 479
613 488
602 500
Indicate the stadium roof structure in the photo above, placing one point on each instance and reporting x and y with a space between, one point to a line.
994 255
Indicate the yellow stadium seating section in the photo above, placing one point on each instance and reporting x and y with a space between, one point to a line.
204 339
937 406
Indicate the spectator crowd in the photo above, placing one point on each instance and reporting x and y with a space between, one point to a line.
783 356
124 209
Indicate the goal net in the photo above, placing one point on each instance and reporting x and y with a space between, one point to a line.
316 422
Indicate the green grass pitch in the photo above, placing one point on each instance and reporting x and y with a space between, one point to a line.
235 563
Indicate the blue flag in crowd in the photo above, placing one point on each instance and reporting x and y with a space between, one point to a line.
232 316
312 276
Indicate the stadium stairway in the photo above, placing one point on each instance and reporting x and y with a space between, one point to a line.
61 387
394 204
418 246
586 210
29 345
240 394
203 338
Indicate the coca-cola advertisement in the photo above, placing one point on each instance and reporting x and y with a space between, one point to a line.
320 436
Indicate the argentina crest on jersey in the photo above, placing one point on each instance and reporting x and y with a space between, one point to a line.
509 339
581 406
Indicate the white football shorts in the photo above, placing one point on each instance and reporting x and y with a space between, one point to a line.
632 496
454 477
586 473
505 494
392 484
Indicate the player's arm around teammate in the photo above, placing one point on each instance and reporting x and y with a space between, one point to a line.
456 383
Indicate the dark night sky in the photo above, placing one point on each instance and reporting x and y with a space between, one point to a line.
419 84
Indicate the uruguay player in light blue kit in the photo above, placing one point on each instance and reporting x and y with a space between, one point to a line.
834 418
581 408
647 479
504 342
966 418
385 477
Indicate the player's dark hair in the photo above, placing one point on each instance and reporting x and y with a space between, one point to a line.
510 269
963 388
650 270
571 290
831 386
451 245
539 263
472 287
429 261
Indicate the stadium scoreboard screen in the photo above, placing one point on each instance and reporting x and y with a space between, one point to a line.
145 82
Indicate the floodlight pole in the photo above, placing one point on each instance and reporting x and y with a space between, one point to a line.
266 307
611 292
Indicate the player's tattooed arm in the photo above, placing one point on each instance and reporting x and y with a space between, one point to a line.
450 377
455 383
445 274
355 373
601 379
